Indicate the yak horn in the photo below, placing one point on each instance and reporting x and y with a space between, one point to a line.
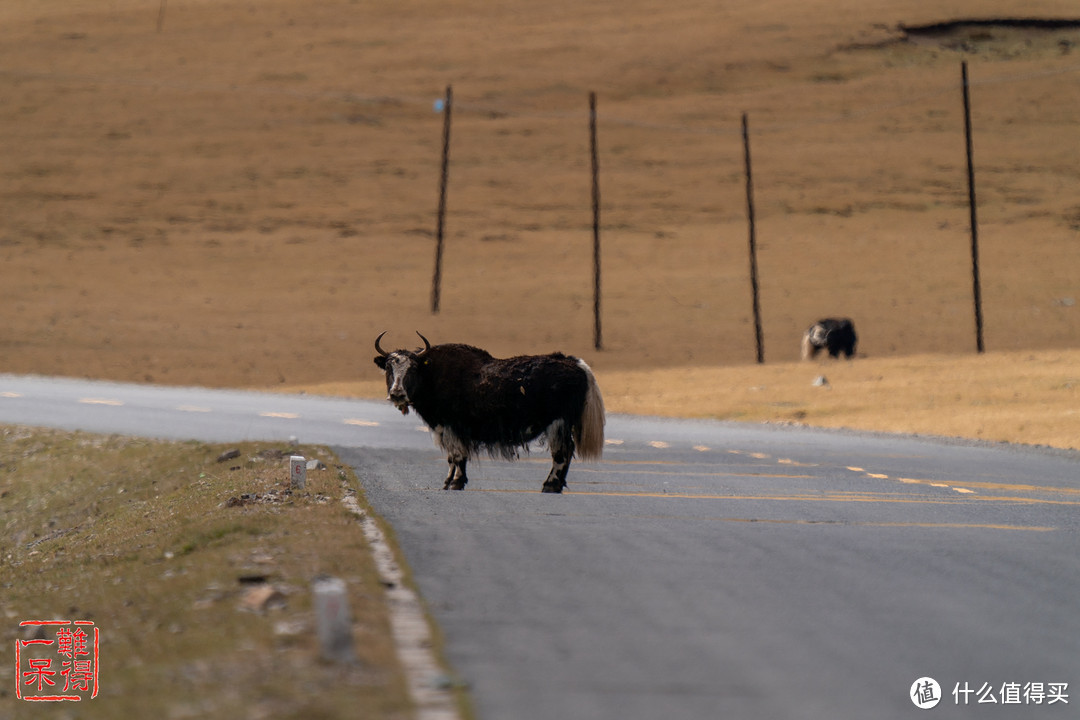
427 345
378 348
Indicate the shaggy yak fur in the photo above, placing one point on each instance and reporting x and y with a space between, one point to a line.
474 402
837 335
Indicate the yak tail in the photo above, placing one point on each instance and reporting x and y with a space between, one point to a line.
807 346
589 431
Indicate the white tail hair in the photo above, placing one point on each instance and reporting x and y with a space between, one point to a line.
589 437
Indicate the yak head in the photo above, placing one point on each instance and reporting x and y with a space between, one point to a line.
402 368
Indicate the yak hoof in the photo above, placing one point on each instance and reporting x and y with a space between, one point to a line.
454 485
553 487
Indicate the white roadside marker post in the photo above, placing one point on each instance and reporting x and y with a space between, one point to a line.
332 619
297 472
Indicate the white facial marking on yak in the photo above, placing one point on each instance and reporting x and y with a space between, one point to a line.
397 366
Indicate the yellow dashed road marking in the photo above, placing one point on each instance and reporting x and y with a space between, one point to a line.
947 526
360 423
693 473
101 401
1011 487
1024 500
835 498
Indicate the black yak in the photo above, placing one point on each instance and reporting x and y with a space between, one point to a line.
475 402
837 335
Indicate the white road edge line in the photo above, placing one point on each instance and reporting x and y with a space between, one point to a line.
433 697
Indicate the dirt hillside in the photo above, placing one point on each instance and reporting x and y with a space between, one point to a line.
233 193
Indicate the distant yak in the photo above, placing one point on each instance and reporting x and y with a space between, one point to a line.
475 402
837 335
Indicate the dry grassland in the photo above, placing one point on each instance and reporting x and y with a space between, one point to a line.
1028 397
247 197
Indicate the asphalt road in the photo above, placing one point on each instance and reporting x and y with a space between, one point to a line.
703 569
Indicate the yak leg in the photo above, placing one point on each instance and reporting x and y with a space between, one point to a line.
556 479
561 441
456 479
457 454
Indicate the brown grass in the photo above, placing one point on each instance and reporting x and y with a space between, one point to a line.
247 198
1029 397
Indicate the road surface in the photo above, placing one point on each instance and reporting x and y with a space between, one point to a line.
703 569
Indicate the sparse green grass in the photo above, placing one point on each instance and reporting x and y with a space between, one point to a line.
139 537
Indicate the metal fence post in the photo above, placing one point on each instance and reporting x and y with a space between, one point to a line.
436 282
597 336
975 282
753 241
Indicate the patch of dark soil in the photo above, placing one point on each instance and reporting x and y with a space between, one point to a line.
1001 37
953 27
1005 36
